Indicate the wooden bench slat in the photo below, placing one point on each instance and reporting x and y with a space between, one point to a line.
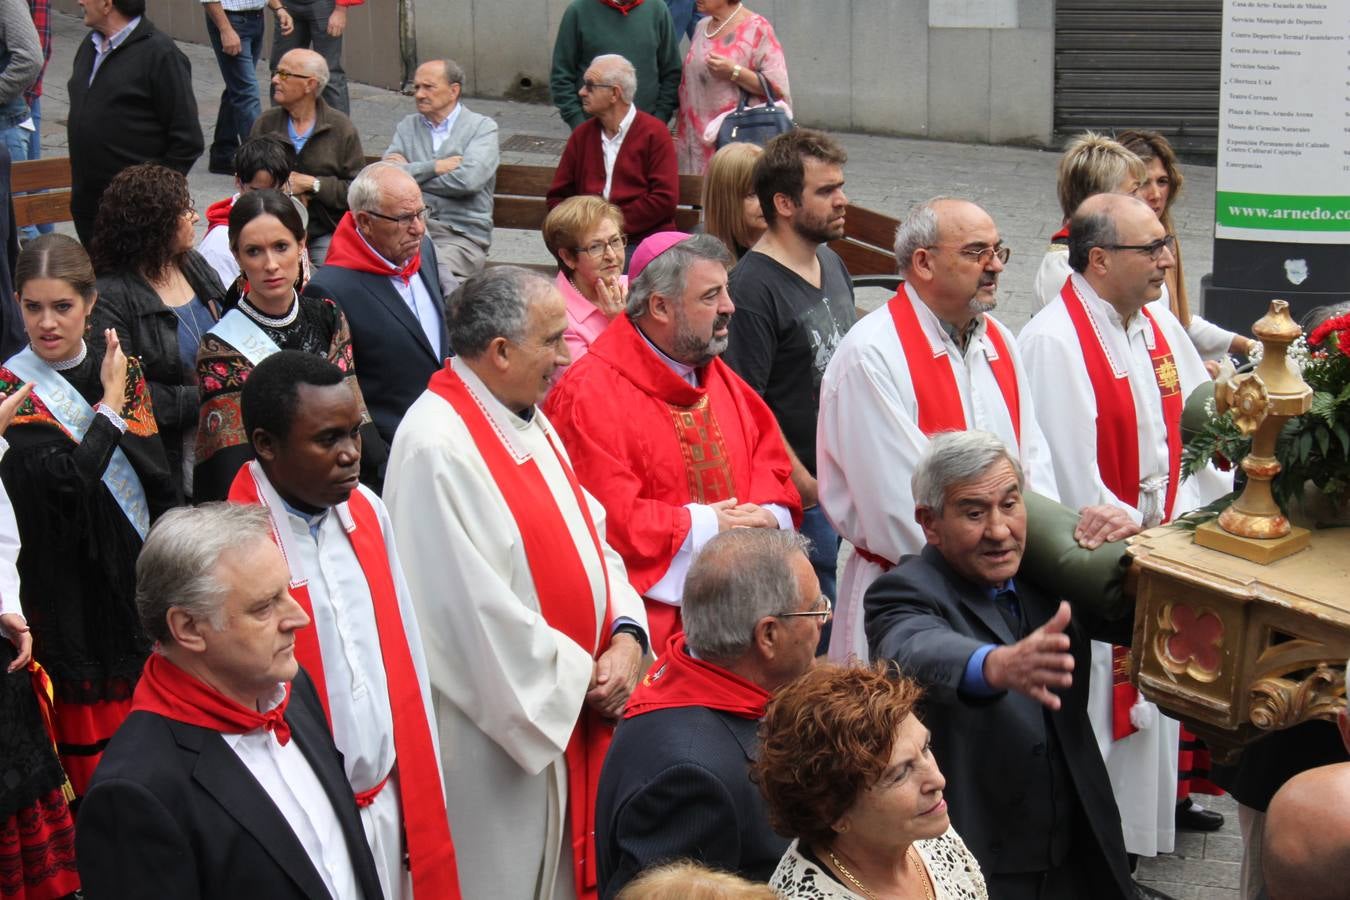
42 209
861 259
870 227
530 181
40 174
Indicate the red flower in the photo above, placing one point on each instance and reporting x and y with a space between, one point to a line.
1333 332
1222 463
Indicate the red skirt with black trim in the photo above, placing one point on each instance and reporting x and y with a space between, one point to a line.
82 733
37 851
1193 766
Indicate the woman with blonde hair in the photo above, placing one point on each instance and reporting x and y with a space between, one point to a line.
1160 188
686 880
585 235
848 773
730 205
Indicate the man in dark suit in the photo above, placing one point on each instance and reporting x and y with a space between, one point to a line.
381 271
676 782
131 102
223 782
1026 784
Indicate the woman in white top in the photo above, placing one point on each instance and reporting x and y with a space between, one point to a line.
847 771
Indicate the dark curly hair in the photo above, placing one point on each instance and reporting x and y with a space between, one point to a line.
137 221
825 739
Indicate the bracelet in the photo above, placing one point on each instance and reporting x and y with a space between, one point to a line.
735 72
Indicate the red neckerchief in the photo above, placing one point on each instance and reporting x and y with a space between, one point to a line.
168 691
218 213
1118 451
935 390
350 251
624 8
1061 236
564 591
431 850
677 680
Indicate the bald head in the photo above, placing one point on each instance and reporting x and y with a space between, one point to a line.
298 79
1306 845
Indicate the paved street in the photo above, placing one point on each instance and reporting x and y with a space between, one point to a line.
886 174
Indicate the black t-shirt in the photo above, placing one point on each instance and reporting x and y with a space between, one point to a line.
783 335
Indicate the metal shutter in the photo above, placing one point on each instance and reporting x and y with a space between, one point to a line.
1140 64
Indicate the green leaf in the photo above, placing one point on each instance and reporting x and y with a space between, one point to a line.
1324 406
1323 442
1343 436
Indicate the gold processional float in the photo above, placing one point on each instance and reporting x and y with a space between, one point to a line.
1242 624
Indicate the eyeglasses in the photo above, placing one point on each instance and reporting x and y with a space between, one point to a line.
597 249
1154 249
402 221
287 76
589 85
984 255
822 609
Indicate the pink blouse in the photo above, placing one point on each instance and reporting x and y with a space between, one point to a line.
585 321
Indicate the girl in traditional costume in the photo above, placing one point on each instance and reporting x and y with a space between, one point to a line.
86 473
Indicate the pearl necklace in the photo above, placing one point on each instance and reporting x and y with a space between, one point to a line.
707 33
66 365
267 321
911 854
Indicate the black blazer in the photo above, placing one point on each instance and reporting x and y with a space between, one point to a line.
992 751
394 360
172 812
676 785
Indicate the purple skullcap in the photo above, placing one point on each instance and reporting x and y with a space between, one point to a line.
651 248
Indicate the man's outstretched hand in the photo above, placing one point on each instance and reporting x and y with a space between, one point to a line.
1037 665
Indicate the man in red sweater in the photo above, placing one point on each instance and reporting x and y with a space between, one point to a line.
621 153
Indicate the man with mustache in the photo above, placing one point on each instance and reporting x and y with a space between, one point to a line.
1003 664
1110 368
794 303
673 443
364 651
931 360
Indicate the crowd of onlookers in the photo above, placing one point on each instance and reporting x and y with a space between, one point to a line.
522 585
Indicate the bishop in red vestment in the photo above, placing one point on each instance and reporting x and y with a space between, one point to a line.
672 442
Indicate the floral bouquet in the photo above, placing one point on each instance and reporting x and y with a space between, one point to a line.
1313 449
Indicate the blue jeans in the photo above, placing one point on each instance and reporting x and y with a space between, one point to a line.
239 104
311 31
824 559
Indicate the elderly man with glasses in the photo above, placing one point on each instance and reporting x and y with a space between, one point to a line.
676 782
1004 668
621 153
327 145
932 359
1110 369
452 153
382 274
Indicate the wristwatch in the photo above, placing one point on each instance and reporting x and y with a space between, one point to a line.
314 187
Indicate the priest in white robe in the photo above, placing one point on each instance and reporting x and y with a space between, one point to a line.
1110 368
534 637
931 360
364 651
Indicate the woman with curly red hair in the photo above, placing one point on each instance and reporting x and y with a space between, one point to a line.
847 771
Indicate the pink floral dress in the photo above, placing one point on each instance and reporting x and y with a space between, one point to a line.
749 41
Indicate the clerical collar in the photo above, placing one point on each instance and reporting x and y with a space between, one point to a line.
686 372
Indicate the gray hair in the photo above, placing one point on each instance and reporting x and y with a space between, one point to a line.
666 274
177 565
738 578
492 304
453 71
318 69
920 229
365 192
620 73
953 457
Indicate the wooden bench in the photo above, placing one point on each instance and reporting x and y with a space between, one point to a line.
51 175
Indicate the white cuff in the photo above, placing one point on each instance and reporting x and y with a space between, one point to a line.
702 528
105 409
782 514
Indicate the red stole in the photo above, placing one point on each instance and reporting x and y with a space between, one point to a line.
677 680
350 251
564 591
168 691
218 213
426 826
935 390
1118 449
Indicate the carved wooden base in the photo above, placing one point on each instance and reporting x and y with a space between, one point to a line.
1259 550
1234 648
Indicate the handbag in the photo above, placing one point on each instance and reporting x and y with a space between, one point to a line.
754 124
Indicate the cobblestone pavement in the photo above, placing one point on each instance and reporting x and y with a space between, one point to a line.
886 174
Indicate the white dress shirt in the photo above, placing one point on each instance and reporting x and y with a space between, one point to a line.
286 777
610 146
414 293
442 131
